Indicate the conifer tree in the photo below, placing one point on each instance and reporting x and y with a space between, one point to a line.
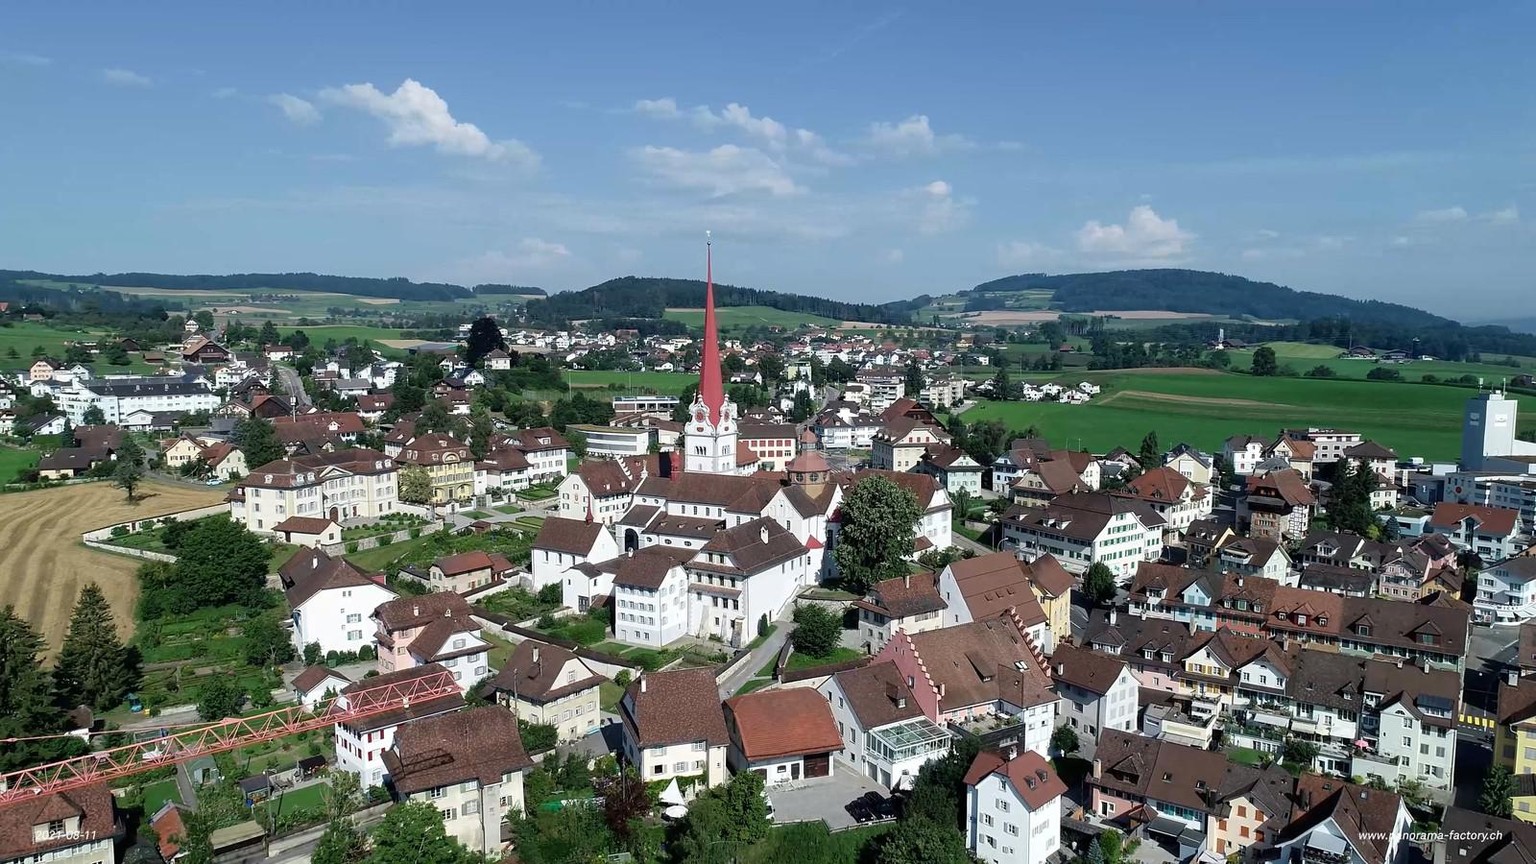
93 668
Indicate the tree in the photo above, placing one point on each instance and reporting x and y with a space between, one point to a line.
204 319
578 441
93 416
922 841
1150 455
220 697
413 832
1099 583
877 534
94 668
116 354
1321 370
1064 740
341 843
1264 362
1002 389
1498 789
219 562
26 696
415 486
537 737
914 382
258 440
313 654
938 793
268 334
130 466
266 642
77 353
480 432
626 801
484 337
12 354
1349 499
817 630
1300 753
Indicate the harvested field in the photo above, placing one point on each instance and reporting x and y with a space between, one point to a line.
247 310
46 564
379 301
1186 400
1037 316
404 343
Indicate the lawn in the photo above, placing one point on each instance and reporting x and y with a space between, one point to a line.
319 333
501 649
631 383
13 461
27 335
738 317
1245 756
1205 409
310 797
157 793
608 695
475 514
534 493
811 841
806 661
1303 356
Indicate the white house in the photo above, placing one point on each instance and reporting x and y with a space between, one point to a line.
1506 591
1098 691
649 594
468 766
437 629
361 741
317 683
886 736
988 586
329 601
784 735
1013 808
1243 453
1088 527
674 726
561 545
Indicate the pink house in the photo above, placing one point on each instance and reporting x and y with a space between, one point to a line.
433 628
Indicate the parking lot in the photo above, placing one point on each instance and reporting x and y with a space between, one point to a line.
823 798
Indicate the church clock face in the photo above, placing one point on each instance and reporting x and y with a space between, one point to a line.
698 416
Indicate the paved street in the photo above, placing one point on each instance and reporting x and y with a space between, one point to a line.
292 385
747 668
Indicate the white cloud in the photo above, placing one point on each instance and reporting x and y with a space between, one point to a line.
665 107
125 78
1401 241
939 211
1144 236
530 256
894 256
1447 214
913 136
1507 216
725 170
300 111
21 58
1267 234
1025 253
417 116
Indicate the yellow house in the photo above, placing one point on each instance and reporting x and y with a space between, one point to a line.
1514 742
446 460
1053 588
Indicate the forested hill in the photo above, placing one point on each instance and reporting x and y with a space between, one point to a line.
398 288
648 297
1201 291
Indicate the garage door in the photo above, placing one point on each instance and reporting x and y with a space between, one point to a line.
818 765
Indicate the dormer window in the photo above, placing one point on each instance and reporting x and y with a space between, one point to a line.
1301 619
1362 629
1322 620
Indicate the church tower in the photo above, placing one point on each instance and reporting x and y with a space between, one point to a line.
709 439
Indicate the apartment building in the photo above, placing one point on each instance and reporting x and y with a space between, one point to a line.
1013 808
549 685
354 483
1082 529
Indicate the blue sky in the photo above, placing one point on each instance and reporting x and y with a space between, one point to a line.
854 150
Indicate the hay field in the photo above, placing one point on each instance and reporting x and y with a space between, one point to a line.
45 564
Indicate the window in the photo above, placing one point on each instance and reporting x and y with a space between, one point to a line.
658 769
471 808
354 618
986 819
354 635
1013 829
438 792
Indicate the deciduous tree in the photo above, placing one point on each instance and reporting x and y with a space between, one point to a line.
1495 797
266 642
817 630
484 337
93 416
413 832
1151 455
1264 361
258 441
1064 740
922 841
94 668
130 466
1099 583
415 485
219 562
218 698
877 533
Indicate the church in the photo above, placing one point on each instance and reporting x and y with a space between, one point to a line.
710 546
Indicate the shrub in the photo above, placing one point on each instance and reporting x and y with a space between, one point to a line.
551 594
547 622
366 652
352 547
415 531
623 678
120 531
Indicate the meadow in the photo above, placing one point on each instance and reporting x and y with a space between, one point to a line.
631 383
1204 408
1302 357
319 333
739 317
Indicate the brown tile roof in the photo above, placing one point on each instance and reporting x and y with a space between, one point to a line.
675 707
770 724
310 571
1371 451
412 712
93 804
750 547
1164 771
428 644
1492 520
403 613
1517 702
646 567
1049 576
905 596
1357 810
480 744
1031 776
295 472
312 676
972 662
1085 668
434 448
464 562
1082 515
302 525
696 527
1287 487
572 536
992 584
170 829
878 695
532 672
1159 484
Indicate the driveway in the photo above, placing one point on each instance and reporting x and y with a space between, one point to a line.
823 798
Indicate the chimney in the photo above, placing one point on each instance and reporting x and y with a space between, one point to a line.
535 653
1424 664
1011 753
906 580
1113 614
1061 669
415 611
642 683
1098 769
941 689
1399 662
1512 677
762 533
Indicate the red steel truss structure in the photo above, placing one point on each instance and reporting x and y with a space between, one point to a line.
106 765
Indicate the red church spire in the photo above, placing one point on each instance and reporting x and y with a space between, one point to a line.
711 388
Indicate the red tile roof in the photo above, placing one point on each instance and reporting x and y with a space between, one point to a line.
770 724
1031 776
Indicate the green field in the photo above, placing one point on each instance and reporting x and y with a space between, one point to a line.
631 383
14 461
737 317
1204 409
1302 356
319 333
26 335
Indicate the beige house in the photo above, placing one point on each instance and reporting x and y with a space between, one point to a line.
900 445
73 827
355 483
447 462
549 685
674 726
181 451
467 765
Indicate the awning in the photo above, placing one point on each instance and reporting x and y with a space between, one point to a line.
1167 827
672 794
